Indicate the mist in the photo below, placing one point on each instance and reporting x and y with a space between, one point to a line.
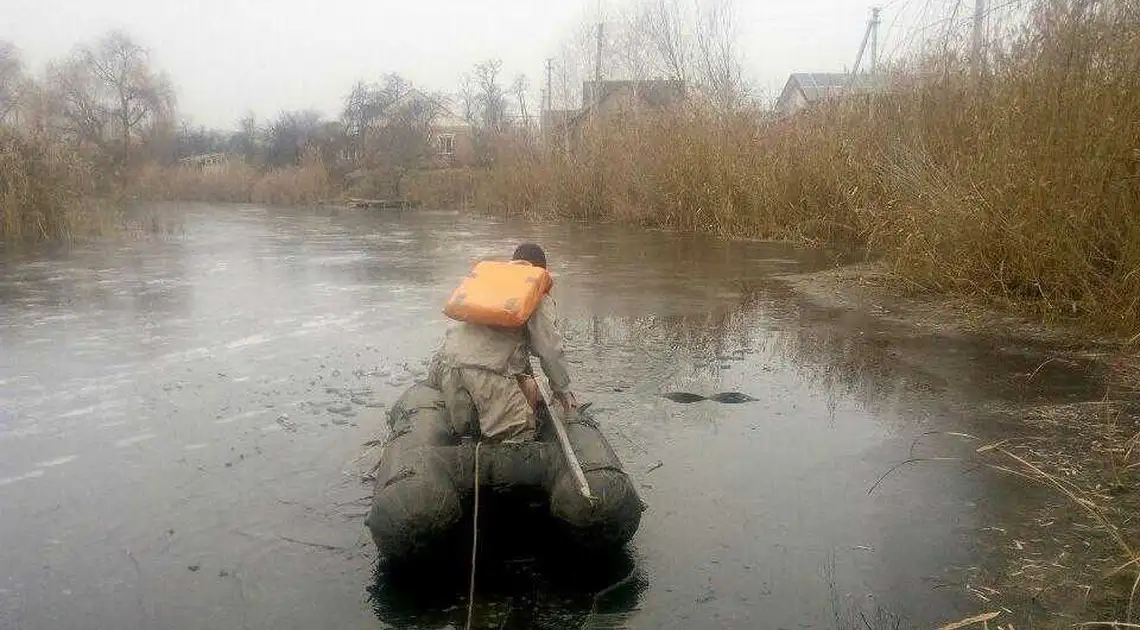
227 60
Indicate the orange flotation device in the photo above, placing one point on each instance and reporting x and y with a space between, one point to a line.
499 293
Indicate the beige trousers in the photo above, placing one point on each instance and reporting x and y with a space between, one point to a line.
499 404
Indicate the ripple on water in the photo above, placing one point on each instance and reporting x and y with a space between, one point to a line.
30 475
135 439
242 416
58 461
251 340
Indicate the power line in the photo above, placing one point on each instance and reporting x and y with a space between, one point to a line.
950 22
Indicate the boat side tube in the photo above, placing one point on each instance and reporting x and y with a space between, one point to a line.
613 516
415 502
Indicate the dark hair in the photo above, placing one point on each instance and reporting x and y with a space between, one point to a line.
531 253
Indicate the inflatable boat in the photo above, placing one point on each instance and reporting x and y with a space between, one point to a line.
424 486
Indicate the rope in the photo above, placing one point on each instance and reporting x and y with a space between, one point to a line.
474 541
602 593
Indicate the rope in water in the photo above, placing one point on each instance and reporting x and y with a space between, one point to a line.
474 542
602 593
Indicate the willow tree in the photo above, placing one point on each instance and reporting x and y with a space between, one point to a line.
107 95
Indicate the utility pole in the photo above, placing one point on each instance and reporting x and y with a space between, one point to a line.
875 38
593 96
598 61
979 15
549 70
863 45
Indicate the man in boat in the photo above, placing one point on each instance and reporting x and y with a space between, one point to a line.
484 371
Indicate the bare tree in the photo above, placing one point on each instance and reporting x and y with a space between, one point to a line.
484 103
668 33
108 95
368 103
389 124
75 105
11 80
290 135
519 88
248 140
718 61
388 127
137 96
575 64
692 41
191 140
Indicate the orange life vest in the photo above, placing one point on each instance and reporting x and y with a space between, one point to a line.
499 293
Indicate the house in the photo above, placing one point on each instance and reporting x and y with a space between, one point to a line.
207 162
452 140
610 99
449 137
806 88
656 93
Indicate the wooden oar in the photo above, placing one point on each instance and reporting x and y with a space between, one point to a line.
564 441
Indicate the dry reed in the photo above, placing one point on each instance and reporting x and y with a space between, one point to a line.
237 182
49 191
1019 185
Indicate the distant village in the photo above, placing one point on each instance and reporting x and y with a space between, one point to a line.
453 137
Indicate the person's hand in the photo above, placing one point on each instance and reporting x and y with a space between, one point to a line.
567 400
529 387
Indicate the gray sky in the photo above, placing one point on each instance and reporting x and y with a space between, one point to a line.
229 57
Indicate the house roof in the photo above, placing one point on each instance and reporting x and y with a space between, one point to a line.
817 85
448 118
654 93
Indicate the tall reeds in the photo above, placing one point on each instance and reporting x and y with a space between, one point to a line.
237 182
1020 183
47 191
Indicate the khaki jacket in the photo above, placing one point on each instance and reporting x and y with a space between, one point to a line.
508 351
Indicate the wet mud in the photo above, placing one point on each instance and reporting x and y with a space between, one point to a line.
185 426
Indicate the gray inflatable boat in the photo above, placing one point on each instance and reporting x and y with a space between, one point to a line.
425 480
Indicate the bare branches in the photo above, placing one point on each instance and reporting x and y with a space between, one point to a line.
11 80
691 41
518 89
389 124
107 96
484 103
718 60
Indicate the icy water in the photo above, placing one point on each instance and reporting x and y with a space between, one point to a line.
182 420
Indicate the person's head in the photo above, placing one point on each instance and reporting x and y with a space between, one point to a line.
531 253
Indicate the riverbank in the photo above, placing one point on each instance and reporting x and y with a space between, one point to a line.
1066 562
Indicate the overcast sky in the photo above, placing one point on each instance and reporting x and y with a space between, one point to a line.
229 57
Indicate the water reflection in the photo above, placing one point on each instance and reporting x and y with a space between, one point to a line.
875 362
885 388
537 591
